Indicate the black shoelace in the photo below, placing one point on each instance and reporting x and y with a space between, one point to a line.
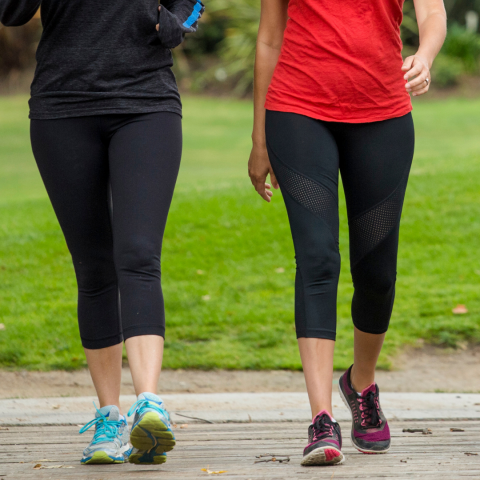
322 428
370 410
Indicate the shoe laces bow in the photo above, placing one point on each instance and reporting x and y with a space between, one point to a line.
370 410
105 429
321 428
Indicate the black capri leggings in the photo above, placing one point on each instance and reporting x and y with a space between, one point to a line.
374 160
110 179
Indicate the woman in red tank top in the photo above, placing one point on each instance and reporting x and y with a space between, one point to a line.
332 95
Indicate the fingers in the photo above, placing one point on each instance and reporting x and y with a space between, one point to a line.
420 91
407 64
418 82
414 71
262 188
274 180
158 26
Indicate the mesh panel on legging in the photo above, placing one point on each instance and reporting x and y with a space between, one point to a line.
310 194
370 228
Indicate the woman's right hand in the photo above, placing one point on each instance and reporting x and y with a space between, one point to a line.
258 168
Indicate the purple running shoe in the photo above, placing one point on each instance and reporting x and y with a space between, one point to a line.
324 442
370 432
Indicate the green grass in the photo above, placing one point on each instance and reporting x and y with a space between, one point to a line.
219 226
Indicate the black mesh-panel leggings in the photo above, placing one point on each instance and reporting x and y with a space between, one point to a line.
116 255
374 160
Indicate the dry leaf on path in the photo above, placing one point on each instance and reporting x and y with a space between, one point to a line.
212 472
39 466
460 309
185 425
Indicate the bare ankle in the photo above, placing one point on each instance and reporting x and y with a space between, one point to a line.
360 382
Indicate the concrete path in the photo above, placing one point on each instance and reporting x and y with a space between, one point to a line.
242 407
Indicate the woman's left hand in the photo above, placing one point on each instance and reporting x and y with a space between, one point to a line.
416 66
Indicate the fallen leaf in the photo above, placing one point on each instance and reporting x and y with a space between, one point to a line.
454 429
40 466
2 326
185 425
460 309
55 407
470 453
3 428
212 472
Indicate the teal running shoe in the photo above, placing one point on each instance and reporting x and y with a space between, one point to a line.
110 443
151 434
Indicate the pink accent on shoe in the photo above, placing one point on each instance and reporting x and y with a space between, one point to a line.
330 454
328 440
370 388
319 414
374 436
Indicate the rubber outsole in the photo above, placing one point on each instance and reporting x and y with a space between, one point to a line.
360 449
152 437
152 457
100 458
323 456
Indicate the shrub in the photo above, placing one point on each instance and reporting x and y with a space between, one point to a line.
463 45
446 70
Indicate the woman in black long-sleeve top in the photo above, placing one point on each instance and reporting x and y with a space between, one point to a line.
106 134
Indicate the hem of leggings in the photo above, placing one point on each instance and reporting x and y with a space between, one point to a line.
139 330
102 342
325 335
363 330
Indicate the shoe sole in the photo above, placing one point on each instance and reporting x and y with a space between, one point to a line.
153 457
101 458
323 456
151 433
360 449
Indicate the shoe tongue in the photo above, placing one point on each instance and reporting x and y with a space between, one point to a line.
151 397
323 412
110 411
370 388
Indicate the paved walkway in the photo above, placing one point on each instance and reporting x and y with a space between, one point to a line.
52 452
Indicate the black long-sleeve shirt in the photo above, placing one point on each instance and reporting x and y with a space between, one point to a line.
103 56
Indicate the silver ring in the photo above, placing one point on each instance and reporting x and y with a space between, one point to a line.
427 81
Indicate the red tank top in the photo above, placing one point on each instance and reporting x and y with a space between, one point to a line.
341 61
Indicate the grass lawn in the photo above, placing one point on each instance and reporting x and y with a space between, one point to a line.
229 303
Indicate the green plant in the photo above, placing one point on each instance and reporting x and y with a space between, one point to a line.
237 50
463 45
446 70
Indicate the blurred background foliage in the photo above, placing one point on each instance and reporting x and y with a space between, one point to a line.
219 58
